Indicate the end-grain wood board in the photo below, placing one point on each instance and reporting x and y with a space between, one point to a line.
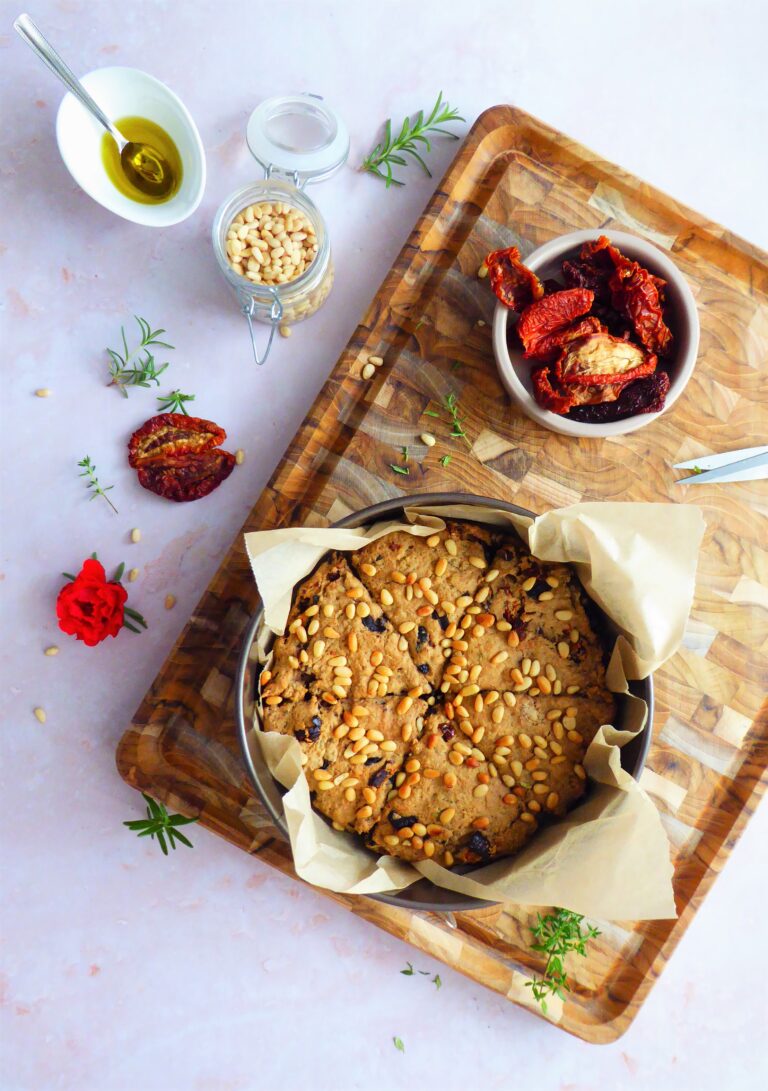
517 181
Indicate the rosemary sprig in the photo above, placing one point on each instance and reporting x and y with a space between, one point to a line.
160 824
89 471
174 402
557 934
133 369
392 149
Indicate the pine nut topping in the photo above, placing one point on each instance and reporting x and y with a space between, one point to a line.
563 650
451 547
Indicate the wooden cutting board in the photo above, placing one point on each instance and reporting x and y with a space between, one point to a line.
517 181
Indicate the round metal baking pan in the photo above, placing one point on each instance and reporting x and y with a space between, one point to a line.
422 895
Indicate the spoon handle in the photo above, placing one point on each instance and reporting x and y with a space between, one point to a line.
48 55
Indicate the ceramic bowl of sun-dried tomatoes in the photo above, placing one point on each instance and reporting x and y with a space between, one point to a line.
594 335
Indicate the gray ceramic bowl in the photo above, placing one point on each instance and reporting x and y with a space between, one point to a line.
422 895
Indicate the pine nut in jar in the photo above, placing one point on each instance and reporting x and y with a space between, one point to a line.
271 243
269 237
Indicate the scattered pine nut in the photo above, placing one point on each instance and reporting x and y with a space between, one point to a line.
135 535
239 456
285 331
43 392
53 650
40 715
482 272
368 371
170 602
481 321
428 439
133 575
377 361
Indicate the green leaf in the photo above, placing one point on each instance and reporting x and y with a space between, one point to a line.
399 469
174 833
445 460
437 982
399 1044
409 971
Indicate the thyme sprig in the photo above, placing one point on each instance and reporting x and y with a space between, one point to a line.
89 471
174 402
160 824
404 468
391 150
557 934
455 418
131 368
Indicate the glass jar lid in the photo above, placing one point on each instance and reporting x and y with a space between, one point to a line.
298 136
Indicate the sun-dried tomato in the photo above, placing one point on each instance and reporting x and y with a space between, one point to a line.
512 282
547 396
624 291
550 316
561 399
548 346
600 359
641 396
635 293
179 457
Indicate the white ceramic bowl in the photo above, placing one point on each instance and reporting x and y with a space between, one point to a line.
128 92
515 372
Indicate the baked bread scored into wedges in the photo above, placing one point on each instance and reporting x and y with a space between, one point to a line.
443 690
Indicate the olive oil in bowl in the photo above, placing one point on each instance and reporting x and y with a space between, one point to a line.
142 131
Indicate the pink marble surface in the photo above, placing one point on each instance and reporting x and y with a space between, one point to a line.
121 969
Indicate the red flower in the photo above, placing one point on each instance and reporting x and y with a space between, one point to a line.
89 607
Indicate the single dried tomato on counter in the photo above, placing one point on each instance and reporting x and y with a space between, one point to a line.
512 282
540 322
600 359
179 457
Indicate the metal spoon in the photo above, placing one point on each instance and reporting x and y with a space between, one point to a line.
143 165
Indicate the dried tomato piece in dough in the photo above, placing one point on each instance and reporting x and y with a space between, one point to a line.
550 316
601 359
179 457
512 282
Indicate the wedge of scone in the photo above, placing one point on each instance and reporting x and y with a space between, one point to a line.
423 584
452 807
352 751
338 643
537 745
533 632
